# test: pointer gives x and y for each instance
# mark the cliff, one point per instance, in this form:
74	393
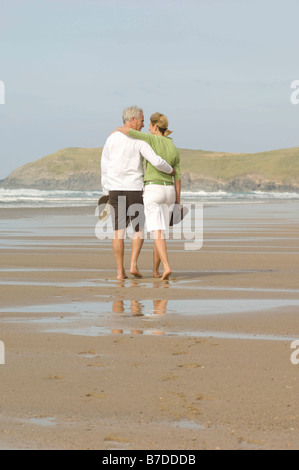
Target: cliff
79	169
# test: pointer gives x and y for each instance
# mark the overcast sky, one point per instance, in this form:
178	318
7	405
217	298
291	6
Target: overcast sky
220	70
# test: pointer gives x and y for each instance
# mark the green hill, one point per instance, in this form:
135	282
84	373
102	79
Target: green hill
71	168
79	169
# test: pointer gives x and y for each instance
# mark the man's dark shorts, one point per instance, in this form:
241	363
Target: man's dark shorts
127	207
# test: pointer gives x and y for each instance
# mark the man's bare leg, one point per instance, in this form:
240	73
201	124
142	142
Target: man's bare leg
137	242
118	245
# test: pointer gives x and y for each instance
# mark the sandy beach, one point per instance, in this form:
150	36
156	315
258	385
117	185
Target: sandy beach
202	361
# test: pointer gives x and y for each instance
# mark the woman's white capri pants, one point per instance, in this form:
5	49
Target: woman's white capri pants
158	204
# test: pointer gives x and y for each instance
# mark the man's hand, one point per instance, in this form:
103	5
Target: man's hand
173	172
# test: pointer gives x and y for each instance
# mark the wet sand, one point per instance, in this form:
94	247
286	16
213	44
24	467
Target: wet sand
202	361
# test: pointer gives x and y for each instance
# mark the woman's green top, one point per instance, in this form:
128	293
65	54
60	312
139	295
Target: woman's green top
165	148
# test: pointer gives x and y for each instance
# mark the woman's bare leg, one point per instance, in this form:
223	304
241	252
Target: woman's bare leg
160	244
137	243
157	261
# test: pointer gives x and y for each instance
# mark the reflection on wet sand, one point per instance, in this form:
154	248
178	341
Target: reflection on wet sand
142	283
160	306
136	307
118	331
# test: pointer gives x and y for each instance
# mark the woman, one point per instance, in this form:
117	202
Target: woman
160	192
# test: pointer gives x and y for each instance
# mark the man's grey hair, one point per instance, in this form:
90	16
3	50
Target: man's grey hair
131	112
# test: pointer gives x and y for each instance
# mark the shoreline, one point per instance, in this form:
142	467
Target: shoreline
198	362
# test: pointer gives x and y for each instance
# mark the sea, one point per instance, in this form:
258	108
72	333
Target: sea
35	198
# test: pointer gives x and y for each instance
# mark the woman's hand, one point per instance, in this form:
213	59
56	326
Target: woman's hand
123	130
177	185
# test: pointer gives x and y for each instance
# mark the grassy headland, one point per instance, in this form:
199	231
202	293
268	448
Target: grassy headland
79	169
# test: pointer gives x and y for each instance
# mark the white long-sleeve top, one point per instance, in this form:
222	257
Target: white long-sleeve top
122	163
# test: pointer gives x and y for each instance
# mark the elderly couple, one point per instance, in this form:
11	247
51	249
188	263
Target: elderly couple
156	190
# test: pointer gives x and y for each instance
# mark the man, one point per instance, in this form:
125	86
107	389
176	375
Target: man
122	179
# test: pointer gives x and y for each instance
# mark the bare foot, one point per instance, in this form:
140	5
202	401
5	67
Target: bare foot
121	276
136	273
166	275
156	274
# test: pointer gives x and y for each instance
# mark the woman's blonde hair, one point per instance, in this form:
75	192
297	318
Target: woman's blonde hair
162	123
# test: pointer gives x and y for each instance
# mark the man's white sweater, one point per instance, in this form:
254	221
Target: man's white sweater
122	163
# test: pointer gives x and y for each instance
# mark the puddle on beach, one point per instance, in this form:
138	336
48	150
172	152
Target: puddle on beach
186	424
102	331
174	283
48	421
44	421
21	270
107	317
196	307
